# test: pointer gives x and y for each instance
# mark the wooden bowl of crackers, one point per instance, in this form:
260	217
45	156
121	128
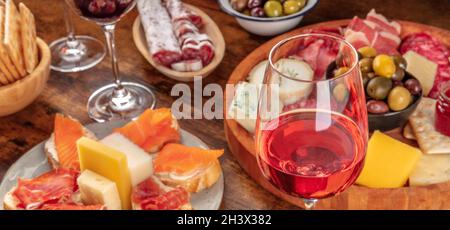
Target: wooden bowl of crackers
24	58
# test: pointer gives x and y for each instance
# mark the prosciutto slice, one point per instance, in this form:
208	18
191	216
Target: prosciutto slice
179	12
53	187
162	42
151	194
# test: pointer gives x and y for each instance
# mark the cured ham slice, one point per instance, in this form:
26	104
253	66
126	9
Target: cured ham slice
53	187
179	12
375	31
151	194
71	207
162	42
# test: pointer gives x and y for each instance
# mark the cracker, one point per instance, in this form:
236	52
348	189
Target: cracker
408	132
422	122
12	37
28	34
6	65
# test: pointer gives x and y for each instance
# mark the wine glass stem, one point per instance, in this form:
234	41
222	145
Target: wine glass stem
110	40
72	41
310	203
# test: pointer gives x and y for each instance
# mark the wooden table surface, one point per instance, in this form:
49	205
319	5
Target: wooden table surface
68	93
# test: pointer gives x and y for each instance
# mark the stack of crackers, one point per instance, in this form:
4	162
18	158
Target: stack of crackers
18	46
434	165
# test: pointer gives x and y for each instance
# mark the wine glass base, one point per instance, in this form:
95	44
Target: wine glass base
101	108
83	54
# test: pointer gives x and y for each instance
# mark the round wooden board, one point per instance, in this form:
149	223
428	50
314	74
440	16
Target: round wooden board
241	144
209	28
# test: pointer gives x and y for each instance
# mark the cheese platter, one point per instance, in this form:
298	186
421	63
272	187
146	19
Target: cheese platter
412	186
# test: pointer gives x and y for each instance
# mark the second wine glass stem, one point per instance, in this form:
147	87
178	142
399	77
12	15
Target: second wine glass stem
71	39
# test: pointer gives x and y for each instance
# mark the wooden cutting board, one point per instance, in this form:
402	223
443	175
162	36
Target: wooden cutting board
241	143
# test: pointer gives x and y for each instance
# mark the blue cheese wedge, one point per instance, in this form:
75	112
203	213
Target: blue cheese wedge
96	189
244	106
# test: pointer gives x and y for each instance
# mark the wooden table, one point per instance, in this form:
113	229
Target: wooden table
68	93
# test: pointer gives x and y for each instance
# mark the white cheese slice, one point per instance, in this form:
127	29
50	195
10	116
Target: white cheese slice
431	169
140	163
422	69
96	189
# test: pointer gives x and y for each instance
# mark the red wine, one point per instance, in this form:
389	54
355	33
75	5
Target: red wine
104	11
311	154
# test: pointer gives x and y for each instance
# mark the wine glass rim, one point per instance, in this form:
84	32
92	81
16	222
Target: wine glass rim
280	43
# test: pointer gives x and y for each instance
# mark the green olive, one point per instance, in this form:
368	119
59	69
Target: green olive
291	7
399	74
399	98
365	65
301	3
378	88
340	92
340	71
367	52
384	65
400	61
273	8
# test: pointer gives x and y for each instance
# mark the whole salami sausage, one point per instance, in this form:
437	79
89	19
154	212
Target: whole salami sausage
162	42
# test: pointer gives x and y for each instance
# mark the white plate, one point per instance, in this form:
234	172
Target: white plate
34	163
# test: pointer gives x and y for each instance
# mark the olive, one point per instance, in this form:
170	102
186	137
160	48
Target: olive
398	75
291	7
400	61
399	98
301	3
367	52
365	80
239	5
340	71
369	75
340	92
254	3
247	12
378	88
413	86
257	12
365	65
273	8
397	83
377	107
384	65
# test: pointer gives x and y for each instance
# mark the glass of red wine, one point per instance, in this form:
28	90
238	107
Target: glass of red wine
120	100
312	127
75	53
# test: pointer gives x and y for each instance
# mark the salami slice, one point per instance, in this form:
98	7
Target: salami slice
427	46
179	12
53	187
162	42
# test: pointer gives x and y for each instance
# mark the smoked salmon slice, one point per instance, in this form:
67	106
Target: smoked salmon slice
67	132
152	130
181	159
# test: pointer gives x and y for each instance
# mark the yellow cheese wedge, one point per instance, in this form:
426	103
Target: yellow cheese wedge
106	162
421	68
388	162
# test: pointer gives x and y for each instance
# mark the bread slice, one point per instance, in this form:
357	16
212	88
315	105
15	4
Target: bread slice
50	148
197	181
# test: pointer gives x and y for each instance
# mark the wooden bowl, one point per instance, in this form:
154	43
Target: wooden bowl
209	28
18	95
241	144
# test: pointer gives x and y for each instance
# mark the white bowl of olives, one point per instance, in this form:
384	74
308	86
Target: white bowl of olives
267	17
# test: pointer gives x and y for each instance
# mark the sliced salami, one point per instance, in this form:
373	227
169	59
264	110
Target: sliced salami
179	12
161	39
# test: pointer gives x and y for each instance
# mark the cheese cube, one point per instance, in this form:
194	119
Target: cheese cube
388	162
96	189
431	169
106	162
422	69
140	163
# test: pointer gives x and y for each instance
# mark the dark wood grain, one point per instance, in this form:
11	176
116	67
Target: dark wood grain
68	93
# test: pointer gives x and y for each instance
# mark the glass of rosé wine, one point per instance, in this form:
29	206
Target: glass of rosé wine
312	127
119	100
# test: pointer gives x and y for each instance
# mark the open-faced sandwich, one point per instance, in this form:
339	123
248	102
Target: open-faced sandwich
141	165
